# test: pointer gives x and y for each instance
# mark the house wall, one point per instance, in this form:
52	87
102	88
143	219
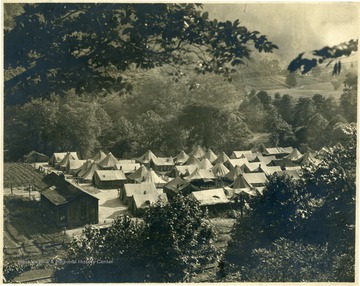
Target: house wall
83	210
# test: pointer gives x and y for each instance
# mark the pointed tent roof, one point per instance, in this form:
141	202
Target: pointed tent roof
108	162
88	175
146	157
220	170
200	174
182	157
234	173
192	161
240	183
294	155
138	174
98	157
83	169
210	155
63	163
222	158
205	164
152	177
307	158
198	152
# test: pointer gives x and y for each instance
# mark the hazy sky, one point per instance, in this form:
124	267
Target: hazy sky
294	27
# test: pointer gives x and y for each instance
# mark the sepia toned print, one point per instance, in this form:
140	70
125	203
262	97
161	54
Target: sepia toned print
179	142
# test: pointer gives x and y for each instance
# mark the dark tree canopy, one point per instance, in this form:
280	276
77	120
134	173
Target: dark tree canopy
89	46
304	65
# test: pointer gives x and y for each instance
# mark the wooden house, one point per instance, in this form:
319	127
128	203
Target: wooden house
161	164
67	204
178	186
138	203
109	179
128	190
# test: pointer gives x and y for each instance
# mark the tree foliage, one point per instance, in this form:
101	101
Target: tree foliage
171	243
89	46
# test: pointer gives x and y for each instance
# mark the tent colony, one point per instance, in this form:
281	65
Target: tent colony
182	171
63	163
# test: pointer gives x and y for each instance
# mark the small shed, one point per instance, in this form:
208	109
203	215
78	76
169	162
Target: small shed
178	186
214	200
67	204
129	190
109	179
140	202
162	164
35	157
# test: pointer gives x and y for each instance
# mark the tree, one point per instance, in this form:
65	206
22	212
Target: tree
291	80
285	107
178	240
321	56
348	100
170	244
69	46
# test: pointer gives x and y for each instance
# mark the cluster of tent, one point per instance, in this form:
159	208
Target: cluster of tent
201	174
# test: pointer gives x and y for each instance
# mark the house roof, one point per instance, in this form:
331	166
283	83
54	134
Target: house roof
143	201
108	162
75	164
127	168
255	178
198	152
278	150
222	158
210	197
177	184
205	164
132	189
110	175
163	161
126	161
182	157
220	170
146	157
201	174
99	156
63	192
